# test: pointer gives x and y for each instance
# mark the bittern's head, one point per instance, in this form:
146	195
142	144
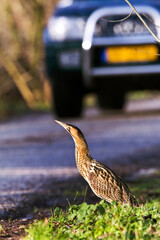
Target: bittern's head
74	131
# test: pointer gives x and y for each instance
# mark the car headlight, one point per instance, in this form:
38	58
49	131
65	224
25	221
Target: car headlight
63	28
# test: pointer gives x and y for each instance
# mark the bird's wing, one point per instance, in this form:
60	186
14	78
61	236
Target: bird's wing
106	184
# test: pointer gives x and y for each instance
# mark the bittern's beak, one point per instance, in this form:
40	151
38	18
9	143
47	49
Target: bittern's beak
62	124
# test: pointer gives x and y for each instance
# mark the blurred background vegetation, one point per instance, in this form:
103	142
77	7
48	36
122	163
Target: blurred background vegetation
23	81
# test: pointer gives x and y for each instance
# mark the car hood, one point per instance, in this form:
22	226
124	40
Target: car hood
85	8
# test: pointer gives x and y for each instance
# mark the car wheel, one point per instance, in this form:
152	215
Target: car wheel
67	98
110	100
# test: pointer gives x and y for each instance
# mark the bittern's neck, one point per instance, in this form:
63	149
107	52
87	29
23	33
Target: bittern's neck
81	145
82	156
81	149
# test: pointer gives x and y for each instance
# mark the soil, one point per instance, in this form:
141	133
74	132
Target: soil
15	222
15	228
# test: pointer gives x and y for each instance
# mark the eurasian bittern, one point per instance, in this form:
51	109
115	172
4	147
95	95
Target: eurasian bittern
104	182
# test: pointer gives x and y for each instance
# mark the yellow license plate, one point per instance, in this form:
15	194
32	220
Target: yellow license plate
129	54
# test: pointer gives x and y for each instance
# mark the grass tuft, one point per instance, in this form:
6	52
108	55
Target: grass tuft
103	220
100	221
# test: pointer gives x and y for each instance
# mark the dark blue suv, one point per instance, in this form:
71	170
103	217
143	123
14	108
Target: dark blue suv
88	49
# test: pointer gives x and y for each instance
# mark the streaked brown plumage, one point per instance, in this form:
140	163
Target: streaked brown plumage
104	182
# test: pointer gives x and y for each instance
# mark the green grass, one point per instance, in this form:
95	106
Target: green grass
141	95
100	221
16	108
103	220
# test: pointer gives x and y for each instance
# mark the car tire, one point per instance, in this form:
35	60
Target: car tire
110	100
67	97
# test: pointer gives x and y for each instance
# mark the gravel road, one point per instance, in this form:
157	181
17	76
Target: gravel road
34	149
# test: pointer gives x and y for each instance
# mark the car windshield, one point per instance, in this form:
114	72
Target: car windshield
103	1
92	0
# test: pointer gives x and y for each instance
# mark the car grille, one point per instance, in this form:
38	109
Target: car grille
111	26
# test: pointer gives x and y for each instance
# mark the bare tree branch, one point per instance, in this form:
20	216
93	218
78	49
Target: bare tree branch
133	8
18	80
119	20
